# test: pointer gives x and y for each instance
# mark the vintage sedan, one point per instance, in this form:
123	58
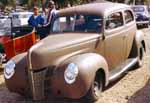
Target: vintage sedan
89	46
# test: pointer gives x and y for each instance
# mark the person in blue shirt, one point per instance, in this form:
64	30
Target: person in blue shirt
36	20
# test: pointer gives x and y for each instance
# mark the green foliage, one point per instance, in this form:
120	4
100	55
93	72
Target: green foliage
4	2
64	3
59	3
24	2
31	3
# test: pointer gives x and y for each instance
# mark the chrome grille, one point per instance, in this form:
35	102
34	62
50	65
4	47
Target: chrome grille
40	83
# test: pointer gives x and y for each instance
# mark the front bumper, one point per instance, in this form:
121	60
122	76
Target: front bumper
142	22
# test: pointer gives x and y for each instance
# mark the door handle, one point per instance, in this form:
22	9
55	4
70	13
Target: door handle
124	36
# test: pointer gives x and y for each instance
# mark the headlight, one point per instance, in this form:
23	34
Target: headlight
9	69
71	73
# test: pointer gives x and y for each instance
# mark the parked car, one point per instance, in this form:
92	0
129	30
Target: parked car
89	46
20	18
14	40
142	15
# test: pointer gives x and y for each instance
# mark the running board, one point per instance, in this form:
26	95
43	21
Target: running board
116	73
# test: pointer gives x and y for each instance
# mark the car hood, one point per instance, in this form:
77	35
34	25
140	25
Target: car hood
45	52
142	14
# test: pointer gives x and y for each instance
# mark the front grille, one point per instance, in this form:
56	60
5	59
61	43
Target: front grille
40	83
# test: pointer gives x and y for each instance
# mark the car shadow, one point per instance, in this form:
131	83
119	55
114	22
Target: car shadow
52	99
141	96
8	97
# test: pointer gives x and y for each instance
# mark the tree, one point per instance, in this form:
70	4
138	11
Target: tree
13	3
4	3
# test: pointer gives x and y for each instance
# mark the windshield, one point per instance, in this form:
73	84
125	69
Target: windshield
77	23
138	9
5	26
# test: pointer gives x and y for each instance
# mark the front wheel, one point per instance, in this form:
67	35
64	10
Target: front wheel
95	90
2	58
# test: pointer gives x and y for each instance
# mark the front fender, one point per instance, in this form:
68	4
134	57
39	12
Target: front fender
88	64
19	82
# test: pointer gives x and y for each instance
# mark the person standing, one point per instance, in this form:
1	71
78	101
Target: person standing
36	20
51	12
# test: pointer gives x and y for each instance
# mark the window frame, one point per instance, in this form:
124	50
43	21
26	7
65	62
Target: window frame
122	17
75	15
125	20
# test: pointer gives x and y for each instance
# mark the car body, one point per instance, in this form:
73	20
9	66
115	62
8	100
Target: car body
89	46
20	18
142	14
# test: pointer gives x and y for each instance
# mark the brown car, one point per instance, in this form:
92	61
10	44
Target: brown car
89	46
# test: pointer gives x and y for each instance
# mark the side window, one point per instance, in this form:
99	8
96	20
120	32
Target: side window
128	16
63	24
114	20
88	23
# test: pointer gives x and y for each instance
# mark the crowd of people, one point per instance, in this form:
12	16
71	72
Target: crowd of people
37	20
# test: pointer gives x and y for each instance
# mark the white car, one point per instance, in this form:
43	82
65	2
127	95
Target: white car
20	18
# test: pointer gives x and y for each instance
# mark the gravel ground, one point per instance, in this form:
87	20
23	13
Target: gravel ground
134	87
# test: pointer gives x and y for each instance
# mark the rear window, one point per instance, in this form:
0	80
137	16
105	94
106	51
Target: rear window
128	16
114	20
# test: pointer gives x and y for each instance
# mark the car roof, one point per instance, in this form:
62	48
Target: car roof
95	8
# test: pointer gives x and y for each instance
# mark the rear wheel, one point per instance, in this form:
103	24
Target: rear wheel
95	90
140	56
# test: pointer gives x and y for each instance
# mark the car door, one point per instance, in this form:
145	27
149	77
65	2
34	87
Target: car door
114	43
130	30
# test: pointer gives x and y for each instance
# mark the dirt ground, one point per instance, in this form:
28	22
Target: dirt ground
134	87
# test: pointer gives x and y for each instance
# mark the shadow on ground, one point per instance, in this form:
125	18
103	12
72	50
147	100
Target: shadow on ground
141	96
9	97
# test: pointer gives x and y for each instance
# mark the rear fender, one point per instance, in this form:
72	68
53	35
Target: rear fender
139	38
88	65
137	43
